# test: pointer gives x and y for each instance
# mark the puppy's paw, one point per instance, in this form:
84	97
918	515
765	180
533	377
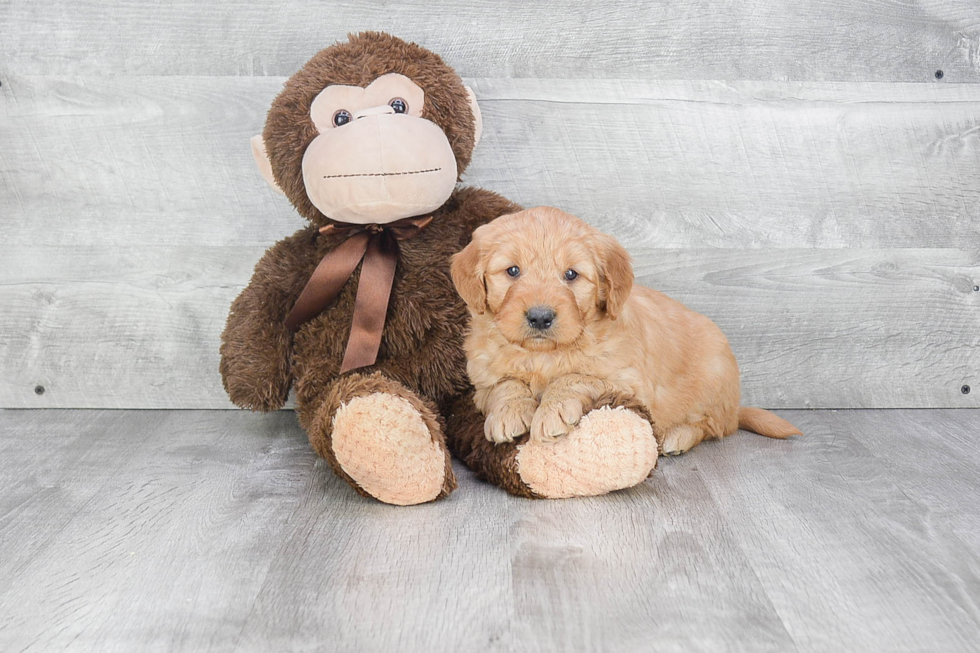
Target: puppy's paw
510	420
554	419
681	439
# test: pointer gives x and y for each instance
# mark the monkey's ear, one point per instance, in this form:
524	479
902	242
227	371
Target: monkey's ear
262	161
477	116
468	269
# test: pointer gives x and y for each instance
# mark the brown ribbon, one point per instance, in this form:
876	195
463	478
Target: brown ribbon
377	245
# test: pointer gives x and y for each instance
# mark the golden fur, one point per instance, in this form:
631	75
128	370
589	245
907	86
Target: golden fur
607	335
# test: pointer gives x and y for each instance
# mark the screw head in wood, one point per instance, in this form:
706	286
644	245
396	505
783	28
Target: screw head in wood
39	389
965	389
939	74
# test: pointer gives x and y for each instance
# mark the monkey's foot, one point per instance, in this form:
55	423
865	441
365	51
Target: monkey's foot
610	449
382	443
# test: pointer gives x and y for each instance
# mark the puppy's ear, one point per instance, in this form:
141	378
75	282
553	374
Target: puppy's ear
616	273
468	269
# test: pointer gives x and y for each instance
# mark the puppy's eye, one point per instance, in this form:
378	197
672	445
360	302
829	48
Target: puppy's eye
341	118
514	271
399	105
570	275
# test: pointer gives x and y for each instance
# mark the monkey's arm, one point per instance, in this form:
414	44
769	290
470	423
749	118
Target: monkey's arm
256	345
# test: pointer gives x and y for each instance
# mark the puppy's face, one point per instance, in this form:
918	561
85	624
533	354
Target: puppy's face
543	275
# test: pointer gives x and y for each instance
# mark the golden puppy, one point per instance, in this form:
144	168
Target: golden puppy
555	319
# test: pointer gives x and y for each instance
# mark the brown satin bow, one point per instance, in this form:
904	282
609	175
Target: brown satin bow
377	245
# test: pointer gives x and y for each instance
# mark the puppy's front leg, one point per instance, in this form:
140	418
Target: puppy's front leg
562	404
509	407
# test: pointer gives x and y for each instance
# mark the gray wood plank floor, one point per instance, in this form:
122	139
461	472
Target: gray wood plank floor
220	530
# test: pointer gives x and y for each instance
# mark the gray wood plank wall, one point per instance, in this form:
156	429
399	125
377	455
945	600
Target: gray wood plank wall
796	171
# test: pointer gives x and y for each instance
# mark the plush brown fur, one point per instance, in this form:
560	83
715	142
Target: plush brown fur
421	357
607	335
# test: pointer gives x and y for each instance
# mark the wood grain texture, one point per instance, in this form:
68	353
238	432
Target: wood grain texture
811	328
681	164
162	516
838	534
118	161
856	328
137	327
219	530
126	161
874	40
132	215
948	470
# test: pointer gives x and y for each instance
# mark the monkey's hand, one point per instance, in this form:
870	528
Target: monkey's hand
255	358
256	345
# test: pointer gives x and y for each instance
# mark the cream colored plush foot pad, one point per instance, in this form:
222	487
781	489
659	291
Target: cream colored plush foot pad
382	443
610	449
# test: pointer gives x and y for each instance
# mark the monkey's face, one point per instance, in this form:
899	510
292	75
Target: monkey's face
376	159
370	130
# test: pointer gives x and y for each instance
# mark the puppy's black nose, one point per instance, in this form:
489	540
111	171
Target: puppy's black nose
540	317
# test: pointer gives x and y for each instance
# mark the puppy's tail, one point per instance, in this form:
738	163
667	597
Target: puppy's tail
765	423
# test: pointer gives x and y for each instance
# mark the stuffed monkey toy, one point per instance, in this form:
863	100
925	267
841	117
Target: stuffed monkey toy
358	312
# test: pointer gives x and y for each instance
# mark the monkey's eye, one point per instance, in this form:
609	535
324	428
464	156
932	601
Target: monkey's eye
513	271
570	275
341	118
399	105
